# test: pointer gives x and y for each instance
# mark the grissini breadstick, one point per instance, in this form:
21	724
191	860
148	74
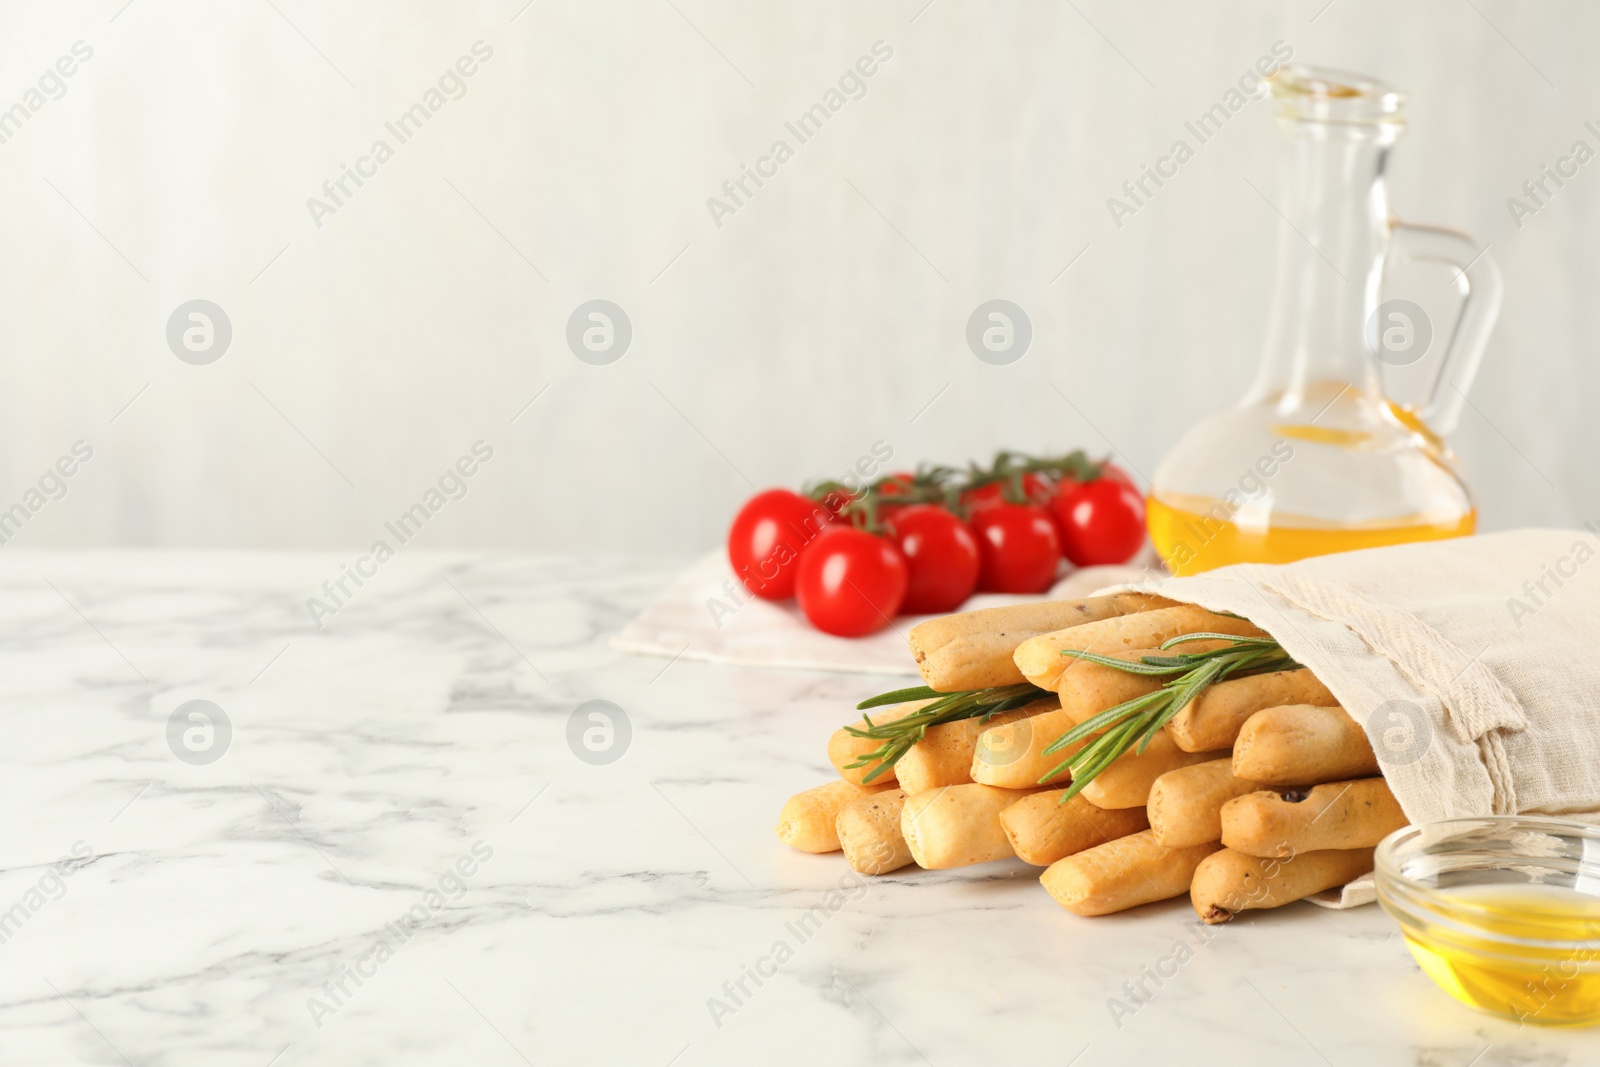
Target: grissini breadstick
1213	720
1229	882
1042	830
1088	688
1302	744
1123	874
957	825
1038	616
944	755
869	832
844	748
807	819
972	650
1012	755
1040	661
1126	783
1355	814
1186	804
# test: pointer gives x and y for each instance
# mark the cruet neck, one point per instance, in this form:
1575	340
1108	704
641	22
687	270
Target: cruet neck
1337	130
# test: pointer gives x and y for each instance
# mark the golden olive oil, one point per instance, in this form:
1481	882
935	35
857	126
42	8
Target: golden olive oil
1191	539
1554	980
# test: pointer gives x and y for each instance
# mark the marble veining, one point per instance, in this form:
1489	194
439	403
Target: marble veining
399	859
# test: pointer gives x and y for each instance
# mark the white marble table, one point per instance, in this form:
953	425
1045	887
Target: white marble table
160	911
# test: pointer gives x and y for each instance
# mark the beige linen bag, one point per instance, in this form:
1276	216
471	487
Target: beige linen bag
1473	664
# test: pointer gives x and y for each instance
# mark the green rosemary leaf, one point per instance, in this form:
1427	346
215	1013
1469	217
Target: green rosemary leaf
1044	778
1193	685
1116	743
1182	638
1179	661
892	754
1108	718
1106	750
899	696
1078	762
1170	713
1006	704
1171	665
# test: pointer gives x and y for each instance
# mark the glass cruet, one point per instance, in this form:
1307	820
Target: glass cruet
1316	458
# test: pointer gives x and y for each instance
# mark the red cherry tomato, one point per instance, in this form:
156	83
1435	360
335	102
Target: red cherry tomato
1036	487
1112	472
850	583
1018	546
766	537
835	501
941	558
1108	471
898	485
1039	488
1101	522
1067	484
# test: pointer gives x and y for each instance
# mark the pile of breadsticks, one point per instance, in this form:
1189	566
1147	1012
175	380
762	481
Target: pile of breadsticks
1259	791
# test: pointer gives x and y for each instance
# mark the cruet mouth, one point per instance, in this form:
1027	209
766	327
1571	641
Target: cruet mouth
1308	94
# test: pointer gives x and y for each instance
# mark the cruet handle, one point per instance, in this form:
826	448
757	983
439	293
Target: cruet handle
1477	280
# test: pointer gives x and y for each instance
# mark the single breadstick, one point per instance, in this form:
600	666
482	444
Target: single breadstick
1040	661
944	755
844	747
1126	782
1088	688
1122	874
1042	830
807	819
957	825
1012	755
1213	719
1229	882
1186	804
1302	744
869	833
972	650
1355	814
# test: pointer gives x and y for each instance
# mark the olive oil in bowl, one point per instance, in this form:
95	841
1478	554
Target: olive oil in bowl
1502	912
1555	984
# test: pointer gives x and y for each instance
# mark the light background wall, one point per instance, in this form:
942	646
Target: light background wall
826	314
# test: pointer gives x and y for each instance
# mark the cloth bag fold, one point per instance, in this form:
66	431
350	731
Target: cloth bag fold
1473	664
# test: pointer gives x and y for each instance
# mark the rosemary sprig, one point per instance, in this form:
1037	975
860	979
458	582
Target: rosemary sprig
1135	722
898	736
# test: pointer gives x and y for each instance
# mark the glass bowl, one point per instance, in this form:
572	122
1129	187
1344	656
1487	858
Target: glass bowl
1502	912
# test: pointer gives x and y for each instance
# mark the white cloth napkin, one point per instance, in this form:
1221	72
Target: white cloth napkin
707	615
